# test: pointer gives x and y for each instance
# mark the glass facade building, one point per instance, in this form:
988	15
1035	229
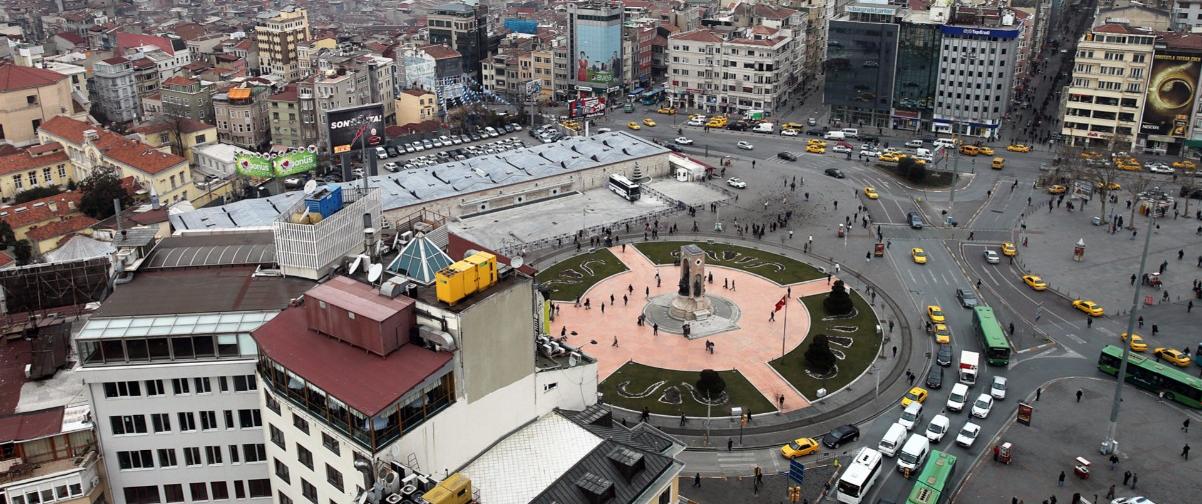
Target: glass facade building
860	62
917	76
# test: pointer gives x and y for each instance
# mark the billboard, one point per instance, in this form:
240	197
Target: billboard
598	51
515	25
1171	91
592	106
250	164
291	163
349	125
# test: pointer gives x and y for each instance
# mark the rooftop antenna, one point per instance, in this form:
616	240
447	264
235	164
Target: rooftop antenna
355	265
373	273
517	262
310	187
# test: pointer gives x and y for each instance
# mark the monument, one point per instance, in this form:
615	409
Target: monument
691	302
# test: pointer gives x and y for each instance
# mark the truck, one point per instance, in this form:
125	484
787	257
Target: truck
754	115
969	362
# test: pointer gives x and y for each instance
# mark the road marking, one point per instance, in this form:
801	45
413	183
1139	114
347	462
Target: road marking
1075	338
932	274
912	279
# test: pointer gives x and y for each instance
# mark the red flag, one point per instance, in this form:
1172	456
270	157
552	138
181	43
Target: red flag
781	304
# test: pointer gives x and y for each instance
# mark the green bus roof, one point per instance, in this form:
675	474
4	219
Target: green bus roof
934	477
1150	364
994	337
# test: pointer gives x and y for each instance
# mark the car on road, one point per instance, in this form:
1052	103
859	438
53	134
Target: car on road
841	149
833	172
1159	168
633	125
942	334
935	378
799	447
1185	164
915	220
1035	283
938	428
935	313
696	122
816	141
1137	342
1008	249
869	152
997	389
982	406
790	132
648	122
1018	148
918	255
1173	355
985	151
870	193
841	435
787	156
914	143
1056	189
736	183
1089	307
889	157
815	149
683	141
943	356
816	132
745	145
992	257
1112	186
915	395
968	434
967	298
666	110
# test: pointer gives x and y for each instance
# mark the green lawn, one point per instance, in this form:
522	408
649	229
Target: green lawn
864	349
640	378
777	268
569	278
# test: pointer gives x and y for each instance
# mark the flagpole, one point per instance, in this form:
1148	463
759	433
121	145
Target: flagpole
784	327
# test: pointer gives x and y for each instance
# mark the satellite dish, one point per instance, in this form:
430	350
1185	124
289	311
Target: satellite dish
517	262
310	186
374	273
355	265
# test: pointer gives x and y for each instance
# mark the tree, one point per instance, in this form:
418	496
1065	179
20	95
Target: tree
710	384
819	356
36	193
838	302
22	252
910	168
7	236
99	191
1135	186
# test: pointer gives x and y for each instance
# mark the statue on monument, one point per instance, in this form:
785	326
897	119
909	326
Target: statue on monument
691	302
697	286
683	289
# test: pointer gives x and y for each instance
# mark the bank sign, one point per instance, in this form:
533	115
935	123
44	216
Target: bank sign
966	31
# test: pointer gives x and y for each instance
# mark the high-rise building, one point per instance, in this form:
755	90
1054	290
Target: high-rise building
464	28
861	59
595	47
241	116
277	35
115	90
976	71
1104	103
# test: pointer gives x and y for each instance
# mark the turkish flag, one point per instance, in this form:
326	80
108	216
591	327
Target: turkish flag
781	304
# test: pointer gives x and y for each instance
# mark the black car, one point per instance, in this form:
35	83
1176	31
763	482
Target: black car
737	126
1192	194
841	435
474	136
944	356
508	128
787	156
392	151
872	139
967	298
834	172
816	132
935	378
672	147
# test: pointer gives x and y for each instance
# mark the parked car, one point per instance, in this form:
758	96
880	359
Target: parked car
392	167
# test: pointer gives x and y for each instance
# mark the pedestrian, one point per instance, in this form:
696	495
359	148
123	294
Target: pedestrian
1141	321
1185	451
772	316
1185	426
646	416
732	284
697	480
1155	329
890	326
683	420
1110	493
1079	393
781	401
563	332
730	444
1060	480
1088	321
603	308
1012	329
978	284
625	300
1126	477
868	256
1133	279
1134	480
615	345
895	351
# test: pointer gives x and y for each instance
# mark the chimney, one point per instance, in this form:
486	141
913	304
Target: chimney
90	135
53	206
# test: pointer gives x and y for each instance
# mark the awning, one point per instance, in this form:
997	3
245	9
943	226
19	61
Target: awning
1197	144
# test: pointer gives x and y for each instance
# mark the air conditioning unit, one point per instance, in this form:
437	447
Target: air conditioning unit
125	256
394	499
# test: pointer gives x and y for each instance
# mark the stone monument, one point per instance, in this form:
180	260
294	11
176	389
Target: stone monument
691	303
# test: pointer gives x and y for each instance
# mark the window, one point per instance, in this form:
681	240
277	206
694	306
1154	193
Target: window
284	499
167	457
187	421
330	443
213	454
222	384
137	459
208	420
31	99
281	471
161	422
277	437
239	489
202	385
229	419
250	418
180	385
200	491
139	495
173	493
192	456
254	452
304	456
221	491
129	424
300	423
244	383
17	182
309	491
154	387
122	389
333	477
258	488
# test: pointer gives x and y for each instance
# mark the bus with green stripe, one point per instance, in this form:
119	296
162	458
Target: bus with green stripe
933	485
1159	378
997	347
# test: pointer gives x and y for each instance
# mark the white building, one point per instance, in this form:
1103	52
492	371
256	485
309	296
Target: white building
216	159
976	78
747	71
114	90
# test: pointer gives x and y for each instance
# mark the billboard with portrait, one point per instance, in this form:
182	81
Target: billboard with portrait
249	164
598	55
586	107
1171	91
349	126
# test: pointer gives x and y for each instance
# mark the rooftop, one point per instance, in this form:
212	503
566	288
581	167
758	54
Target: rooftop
359	298
60	228
706	36
195	249
41	210
24	161
440	51
201	290
32	425
16	78
134	154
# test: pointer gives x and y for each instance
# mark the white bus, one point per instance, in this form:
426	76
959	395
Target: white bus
859	476
623	187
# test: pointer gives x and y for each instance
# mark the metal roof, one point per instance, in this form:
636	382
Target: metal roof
174	325
255	248
201	290
420	260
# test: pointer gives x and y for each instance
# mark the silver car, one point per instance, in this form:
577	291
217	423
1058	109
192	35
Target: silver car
992	257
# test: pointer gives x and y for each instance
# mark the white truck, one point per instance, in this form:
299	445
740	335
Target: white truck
969	364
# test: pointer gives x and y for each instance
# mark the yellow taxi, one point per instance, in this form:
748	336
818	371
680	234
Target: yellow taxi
985	151
649	122
915	395
1035	283
1089	307
799	447
943	336
1091	155
1057	189
935	313
969	150
815	141
870	193
998	163
792	126
1185	164
918	255
667	110
717	122
1128	166
890	157
816	149
1008	249
633	125
1177	357
1112	186
1018	148
1137	342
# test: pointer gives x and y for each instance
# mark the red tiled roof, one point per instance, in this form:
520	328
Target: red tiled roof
137	155
180	80
758	42
769	12
31	425
5	259
65	204
71	37
364	381
440	52
60	228
245	44
763	30
1175	40
16	355
16	78
16	163
67	128
45	148
116	60
288	94
189	31
126	40
1112	28
416	92
698	36
142	63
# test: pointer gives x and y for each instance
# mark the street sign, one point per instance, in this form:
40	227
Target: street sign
797	471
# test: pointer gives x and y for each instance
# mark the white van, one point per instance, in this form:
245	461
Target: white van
834	135
922	153
946	143
911	415
914	453
764	127
851	132
959	396
892	440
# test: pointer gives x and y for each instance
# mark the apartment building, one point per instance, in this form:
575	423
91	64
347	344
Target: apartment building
1104	103
1185	15
190	98
241	115
292	125
336	89
1170	108
746	71
146	76
28	98
168	362
51	457
115	90
277	35
416	106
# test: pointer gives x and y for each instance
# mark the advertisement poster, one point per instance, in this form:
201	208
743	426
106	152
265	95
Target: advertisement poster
586	107
1171	92
349	126
1024	413
252	165
291	163
598	55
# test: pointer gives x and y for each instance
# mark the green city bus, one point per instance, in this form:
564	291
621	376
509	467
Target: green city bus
1148	374
997	347
934	482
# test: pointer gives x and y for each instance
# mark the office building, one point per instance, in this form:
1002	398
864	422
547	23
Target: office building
277	35
115	91
1169	115
976	72
595	47
464	28
1104	103
736	73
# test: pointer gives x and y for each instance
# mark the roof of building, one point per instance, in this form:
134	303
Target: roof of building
438	51
420	260
31	425
143	63
416	92
22	161
60	228
179	80
225	249
359	298
41	209
201	290
703	35
364	381
127	40
16	78
71	37
289	93
1181	40
17	354
115	60
765	11
1113	28
132	153
80	247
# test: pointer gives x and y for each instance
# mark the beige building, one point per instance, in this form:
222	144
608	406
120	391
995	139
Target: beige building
1105	100
241	116
415	106
37	166
286	119
178	136
28	98
277	36
543	68
747	71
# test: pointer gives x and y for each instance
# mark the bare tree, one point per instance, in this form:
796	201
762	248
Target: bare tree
1135	186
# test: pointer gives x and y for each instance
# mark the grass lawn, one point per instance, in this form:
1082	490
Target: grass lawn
864	349
641	377
777	268
569	278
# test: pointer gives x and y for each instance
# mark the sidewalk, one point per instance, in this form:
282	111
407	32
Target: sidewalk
730	490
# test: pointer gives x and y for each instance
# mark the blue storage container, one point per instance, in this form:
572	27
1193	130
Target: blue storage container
326	200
